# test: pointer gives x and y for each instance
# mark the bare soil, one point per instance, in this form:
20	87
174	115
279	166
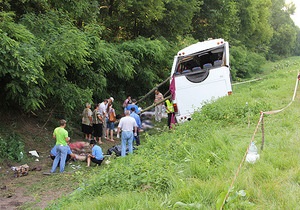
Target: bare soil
36	190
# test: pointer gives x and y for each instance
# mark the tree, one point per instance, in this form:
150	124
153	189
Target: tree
255	30
65	50
176	20
125	18
285	31
21	75
216	19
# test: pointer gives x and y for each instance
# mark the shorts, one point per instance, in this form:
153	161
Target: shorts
110	125
86	129
97	130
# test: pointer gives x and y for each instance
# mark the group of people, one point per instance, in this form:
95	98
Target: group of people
62	152
100	123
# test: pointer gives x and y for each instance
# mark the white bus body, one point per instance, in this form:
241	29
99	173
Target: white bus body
202	74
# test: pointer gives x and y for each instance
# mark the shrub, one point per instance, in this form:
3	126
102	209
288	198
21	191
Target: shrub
245	64
11	148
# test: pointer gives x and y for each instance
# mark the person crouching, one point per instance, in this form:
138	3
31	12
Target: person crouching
96	156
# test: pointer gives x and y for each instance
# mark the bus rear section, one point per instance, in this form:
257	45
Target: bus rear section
202	75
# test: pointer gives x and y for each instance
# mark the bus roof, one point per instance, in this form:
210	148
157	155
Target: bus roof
199	46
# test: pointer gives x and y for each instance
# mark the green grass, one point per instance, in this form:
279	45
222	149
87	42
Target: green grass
193	166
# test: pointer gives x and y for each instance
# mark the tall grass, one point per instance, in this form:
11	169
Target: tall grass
193	166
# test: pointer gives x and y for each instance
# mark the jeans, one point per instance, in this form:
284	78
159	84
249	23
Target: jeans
61	155
127	136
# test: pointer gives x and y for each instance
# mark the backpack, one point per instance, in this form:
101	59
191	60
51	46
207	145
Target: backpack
117	150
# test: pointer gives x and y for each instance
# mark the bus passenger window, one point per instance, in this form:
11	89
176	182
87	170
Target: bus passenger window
217	63
186	71
207	65
197	68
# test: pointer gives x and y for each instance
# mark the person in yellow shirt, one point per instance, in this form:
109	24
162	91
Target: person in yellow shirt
170	111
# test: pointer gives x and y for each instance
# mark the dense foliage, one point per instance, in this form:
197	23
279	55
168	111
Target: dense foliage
61	54
11	147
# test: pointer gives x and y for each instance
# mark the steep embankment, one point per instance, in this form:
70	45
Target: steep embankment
194	165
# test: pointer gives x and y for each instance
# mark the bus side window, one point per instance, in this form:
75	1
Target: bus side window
179	70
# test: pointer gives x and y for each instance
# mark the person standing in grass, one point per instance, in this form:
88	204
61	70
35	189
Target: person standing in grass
139	125
97	124
87	124
110	123
96	156
102	111
133	104
70	155
127	124
158	107
62	139
170	111
126	102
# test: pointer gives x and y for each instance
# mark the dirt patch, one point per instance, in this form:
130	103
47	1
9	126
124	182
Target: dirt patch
36	190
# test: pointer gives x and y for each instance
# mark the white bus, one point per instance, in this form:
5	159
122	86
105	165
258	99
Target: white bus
202	74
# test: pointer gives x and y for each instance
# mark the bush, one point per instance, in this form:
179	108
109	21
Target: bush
11	148
245	64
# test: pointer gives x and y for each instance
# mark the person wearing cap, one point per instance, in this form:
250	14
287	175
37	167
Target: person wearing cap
62	139
96	156
111	100
127	124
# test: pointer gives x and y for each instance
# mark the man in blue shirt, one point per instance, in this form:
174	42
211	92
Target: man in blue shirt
133	105
139	125
96	156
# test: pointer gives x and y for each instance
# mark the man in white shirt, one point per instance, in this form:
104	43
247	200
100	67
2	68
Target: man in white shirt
127	124
103	113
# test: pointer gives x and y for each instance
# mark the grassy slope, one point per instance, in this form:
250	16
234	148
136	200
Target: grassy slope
193	166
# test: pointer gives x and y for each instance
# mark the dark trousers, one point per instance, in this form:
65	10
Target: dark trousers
169	119
137	138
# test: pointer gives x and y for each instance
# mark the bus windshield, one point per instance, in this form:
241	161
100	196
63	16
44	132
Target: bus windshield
196	66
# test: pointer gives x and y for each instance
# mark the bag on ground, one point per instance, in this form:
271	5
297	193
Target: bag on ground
117	150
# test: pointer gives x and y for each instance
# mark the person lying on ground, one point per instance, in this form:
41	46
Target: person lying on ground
70	155
78	146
